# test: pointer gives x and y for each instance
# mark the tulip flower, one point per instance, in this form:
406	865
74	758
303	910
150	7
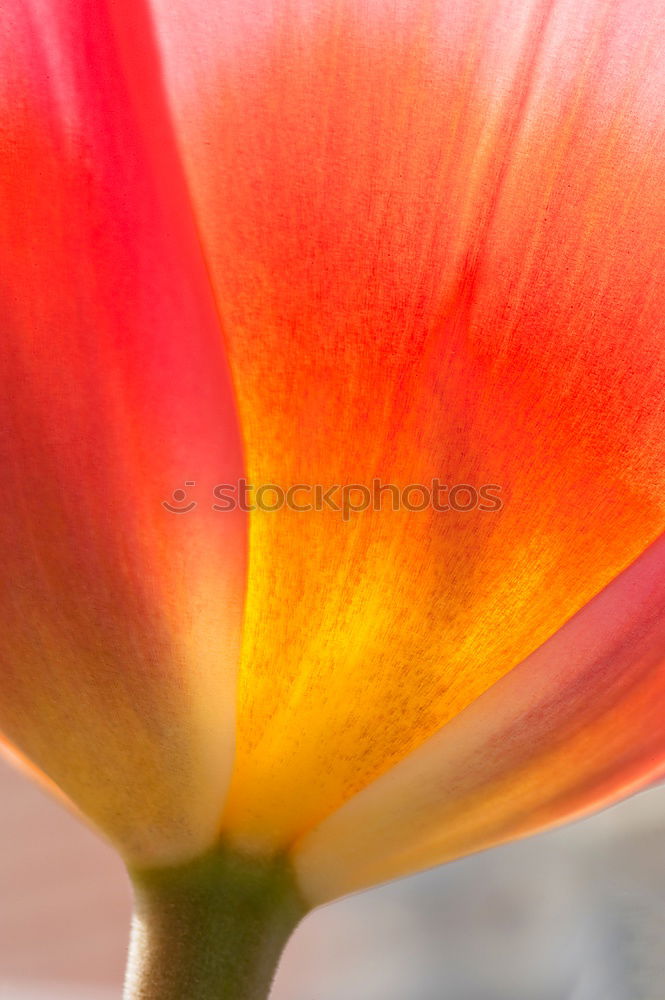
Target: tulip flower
298	244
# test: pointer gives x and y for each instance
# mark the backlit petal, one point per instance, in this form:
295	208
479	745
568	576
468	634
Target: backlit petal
120	620
577	725
436	237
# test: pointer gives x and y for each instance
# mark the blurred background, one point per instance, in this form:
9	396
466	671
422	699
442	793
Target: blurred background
576	914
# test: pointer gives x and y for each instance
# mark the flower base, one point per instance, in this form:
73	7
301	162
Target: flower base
211	929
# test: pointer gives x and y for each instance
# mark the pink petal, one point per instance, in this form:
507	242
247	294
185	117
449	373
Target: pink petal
120	620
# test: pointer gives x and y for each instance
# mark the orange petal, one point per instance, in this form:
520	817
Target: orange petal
436	236
577	725
120	620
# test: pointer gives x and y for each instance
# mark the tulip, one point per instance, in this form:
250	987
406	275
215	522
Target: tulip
333	243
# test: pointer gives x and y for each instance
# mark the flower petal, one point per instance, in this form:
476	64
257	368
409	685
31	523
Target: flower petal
120	620
577	725
436	236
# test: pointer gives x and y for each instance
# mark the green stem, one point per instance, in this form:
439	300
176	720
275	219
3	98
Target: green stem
211	929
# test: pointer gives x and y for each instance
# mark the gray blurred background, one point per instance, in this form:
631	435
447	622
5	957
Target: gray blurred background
576	914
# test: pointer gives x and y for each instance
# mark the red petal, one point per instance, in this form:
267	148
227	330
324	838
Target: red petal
120	620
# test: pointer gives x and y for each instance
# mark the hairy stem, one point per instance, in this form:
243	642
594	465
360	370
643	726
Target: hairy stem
211	929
